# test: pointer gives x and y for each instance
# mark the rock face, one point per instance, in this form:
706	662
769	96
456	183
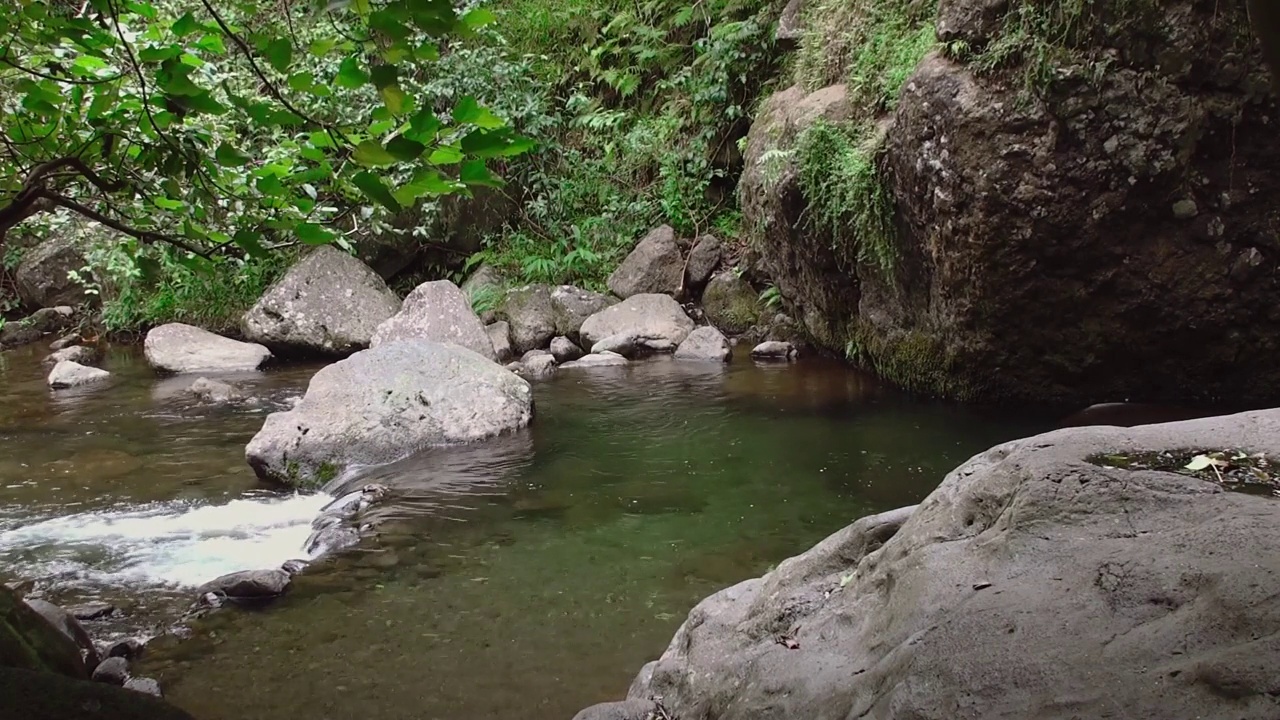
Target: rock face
998	596
440	312
179	348
655	266
386	403
67	374
1156	214
28	641
329	303
730	303
42	278
652	318
706	344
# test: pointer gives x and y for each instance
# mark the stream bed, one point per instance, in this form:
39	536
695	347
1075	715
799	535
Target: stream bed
522	578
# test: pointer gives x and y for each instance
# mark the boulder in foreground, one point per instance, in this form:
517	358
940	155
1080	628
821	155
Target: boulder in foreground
180	348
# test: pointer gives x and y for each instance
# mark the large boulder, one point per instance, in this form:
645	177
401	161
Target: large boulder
730	303
43	277
69	626
572	306
440	312
328	303
652	318
45	696
179	348
704	258
705	344
655	266
386	403
1082	573
28	641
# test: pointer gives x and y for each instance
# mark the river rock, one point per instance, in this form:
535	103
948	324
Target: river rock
538	365
532	318
386	403
655	266
437	311
113	671
329	303
215	391
45	696
65	342
30	641
706	344
35	326
485	288
43	277
596	360
93	611
248	586
128	648
654	318
998	596
76	353
636	709
625	344
731	303
773	350
572	306
564	350
704	258
143	685
179	348
69	627
500	336
67	374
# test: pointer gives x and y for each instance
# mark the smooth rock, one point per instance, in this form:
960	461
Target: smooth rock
730	303
143	685
65	342
215	391
30	641
386	403
128	648
248	586
437	311
69	627
329	303
572	306
564	350
539	366
773	350
67	374
704	258
113	671
705	344
625	710
655	266
79	354
93	611
500	336
657	319
180	348
596	360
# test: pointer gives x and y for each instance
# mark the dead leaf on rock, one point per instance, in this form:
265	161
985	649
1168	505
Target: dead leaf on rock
788	642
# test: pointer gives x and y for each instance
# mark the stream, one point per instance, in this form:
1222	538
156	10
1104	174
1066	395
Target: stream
521	578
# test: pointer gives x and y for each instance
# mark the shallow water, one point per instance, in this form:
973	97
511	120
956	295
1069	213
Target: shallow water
520	578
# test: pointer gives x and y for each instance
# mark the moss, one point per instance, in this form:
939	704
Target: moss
871	45
325	473
914	361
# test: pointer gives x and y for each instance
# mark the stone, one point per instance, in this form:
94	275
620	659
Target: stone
81	354
30	641
128	648
439	312
43	276
500	336
531	315
215	391
143	685
113	671
93	611
625	710
178	348
35	326
705	344
773	350
704	258
654	266
329	303
248	586
67	374
69	627
625	344
790	25
596	360
386	403
730	303
32	695
540	366
65	342
572	306
1185	209
564	350
653	318
1031	560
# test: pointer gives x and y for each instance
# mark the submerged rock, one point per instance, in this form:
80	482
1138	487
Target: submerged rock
215	391
655	319
67	374
79	354
328	303
655	266
179	348
596	360
386	403
705	344
249	586
1005	587
437	311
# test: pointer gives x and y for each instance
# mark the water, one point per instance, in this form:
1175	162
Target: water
522	578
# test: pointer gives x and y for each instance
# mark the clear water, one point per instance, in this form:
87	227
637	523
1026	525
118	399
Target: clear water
521	578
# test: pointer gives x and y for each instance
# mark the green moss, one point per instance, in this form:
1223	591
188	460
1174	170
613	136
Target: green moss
871	45
914	361
325	473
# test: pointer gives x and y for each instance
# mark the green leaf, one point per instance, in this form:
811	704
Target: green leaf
372	186
468	111
384	75
270	185
185	25
302	81
201	103
350	75
445	155
166	204
158	54
251	243
322	46
228	156
474	172
478	18
279	53
394	98
425	182
405	149
313	234
371	153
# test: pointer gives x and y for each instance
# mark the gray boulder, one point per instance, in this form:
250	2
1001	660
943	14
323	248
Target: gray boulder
572	306
656	319
538	366
774	350
1054	577
328	303
43	277
386	403
704	258
626	710
730	303
35	326
65	342
655	266
69	627
179	348
500	337
597	360
249	586
531	315
437	311
113	671
76	353
215	391
68	374
705	344
564	350
625	344
143	685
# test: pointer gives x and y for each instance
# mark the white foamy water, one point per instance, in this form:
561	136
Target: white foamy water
173	544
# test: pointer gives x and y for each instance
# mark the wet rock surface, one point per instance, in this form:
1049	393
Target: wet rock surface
68	374
705	344
656	320
46	696
179	348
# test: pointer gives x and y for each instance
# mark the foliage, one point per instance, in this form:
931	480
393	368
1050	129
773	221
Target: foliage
871	45
485	298
771	298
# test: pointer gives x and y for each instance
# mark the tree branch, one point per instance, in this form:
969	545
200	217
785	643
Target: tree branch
146	236
55	78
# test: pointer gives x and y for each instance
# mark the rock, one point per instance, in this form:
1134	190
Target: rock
437	311
790	25
655	266
179	348
248	586
624	344
93	611
625	710
731	303
386	403
44	696
773	350
531	315
572	306
1051	559
500	336
540	366
564	350
655	318
113	671
30	641
143	685
706	344
65	342
596	360
128	648
43	276
215	391
329	303
35	326
76	354
67	374
704	258
485	288
1185	209
70	627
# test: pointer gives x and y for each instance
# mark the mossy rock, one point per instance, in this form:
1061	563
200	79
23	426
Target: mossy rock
29	642
731	304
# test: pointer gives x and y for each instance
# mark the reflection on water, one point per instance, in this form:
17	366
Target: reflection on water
520	578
